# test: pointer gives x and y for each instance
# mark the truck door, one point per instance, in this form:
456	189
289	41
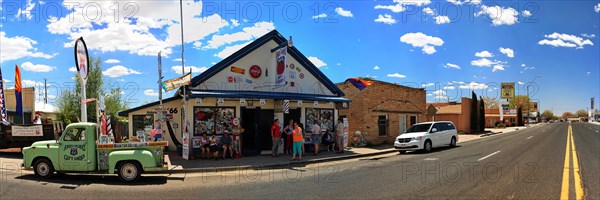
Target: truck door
73	154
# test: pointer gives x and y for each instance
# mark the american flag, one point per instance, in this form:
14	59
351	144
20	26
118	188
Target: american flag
2	102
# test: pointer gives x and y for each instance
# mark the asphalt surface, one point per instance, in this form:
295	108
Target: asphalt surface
525	164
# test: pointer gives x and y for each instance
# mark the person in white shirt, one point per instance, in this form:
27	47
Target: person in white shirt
316	136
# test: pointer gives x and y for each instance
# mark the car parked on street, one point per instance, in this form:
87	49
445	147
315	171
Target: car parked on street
427	135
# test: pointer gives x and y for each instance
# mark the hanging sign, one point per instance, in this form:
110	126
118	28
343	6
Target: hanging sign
300	103
280	64
81	59
507	90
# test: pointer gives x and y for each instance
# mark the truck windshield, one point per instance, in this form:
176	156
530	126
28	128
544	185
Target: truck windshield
418	128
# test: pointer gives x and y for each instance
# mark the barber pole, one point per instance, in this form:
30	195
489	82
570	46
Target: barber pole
286	106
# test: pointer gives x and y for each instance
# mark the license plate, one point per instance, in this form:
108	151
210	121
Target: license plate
402	145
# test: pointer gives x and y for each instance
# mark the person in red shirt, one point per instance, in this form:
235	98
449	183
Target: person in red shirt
276	136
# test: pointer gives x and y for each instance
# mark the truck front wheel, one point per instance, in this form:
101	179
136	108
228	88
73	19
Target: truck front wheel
43	168
129	171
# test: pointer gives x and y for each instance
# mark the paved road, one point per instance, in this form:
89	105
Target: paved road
525	164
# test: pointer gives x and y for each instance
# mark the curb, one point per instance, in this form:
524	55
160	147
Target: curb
289	164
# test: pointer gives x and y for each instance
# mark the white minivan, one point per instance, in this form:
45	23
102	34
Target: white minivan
427	135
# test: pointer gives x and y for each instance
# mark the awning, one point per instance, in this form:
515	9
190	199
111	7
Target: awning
265	95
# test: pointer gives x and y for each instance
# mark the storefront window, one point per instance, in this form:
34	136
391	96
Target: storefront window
316	114
143	123
213	120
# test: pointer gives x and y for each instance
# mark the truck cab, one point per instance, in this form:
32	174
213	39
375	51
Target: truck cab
78	150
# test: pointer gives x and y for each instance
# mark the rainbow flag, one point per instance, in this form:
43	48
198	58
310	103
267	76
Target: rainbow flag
18	91
360	83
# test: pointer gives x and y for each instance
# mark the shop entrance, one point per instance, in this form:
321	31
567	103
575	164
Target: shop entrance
294	114
256	123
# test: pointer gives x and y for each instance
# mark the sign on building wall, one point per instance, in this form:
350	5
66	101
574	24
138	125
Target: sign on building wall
507	90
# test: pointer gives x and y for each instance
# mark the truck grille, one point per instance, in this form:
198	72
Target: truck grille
404	140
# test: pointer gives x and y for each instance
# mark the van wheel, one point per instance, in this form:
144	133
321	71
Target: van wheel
427	146
129	171
43	168
453	142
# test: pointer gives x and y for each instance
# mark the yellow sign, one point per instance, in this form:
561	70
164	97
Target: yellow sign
507	90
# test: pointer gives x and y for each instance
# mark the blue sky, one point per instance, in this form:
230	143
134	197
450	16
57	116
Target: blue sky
448	47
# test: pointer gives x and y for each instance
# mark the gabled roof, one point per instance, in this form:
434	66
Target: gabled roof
277	37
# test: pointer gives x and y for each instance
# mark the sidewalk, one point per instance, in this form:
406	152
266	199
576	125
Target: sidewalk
178	165
493	131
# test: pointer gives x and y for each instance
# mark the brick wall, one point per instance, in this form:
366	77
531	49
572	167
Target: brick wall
390	99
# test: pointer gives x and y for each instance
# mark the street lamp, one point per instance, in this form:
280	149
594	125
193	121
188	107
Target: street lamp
529	99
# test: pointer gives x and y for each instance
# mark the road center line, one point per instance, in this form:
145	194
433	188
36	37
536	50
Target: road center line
530	137
488	155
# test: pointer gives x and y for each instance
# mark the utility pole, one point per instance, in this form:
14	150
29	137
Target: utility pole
45	92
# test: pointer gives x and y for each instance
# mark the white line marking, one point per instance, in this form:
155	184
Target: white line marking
430	159
530	137
489	155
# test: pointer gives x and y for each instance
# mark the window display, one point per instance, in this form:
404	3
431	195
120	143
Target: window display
324	115
213	120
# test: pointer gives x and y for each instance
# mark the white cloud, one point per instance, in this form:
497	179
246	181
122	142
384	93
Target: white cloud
500	15
376	67
458	2
27	11
72	69
507	51
150	92
565	40
484	54
322	15
112	61
421	40
176	60
177	69
439	94
498	68
396	75
442	19
134	36
317	62
588	35
597	8
480	77
450	65
428	11
28	66
343	13
484	62
234	22
248	33
400	5
427	85
520	83
118	71
526	13
13	48
227	51
473	86
31	83
386	19
449	87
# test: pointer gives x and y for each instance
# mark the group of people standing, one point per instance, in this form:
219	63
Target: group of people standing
294	134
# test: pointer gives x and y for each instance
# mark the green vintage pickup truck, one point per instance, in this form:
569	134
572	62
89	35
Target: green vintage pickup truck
77	151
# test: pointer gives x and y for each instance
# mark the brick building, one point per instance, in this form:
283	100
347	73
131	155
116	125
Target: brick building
492	116
382	110
458	113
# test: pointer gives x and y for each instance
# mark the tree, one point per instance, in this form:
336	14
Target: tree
566	115
474	112
581	113
521	101
548	115
519	116
69	101
481	114
491	102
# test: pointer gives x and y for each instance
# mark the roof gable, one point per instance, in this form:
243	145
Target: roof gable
233	73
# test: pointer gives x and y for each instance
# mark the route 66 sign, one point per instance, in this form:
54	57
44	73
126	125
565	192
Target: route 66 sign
316	103
220	101
242	101
331	104
263	101
74	151
198	100
300	103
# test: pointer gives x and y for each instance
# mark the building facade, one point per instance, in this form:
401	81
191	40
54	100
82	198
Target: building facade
248	87
458	113
382	110
30	107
